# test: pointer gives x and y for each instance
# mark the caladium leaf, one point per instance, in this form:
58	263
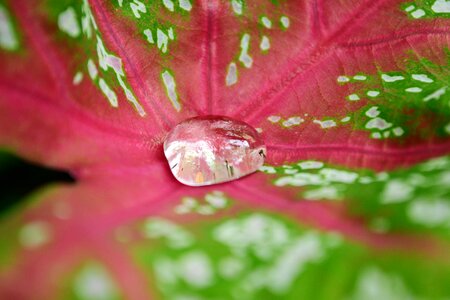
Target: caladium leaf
351	97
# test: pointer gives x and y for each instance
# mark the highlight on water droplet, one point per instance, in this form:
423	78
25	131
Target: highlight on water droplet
207	150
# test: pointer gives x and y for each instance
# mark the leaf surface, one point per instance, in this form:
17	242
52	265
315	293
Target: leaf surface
351	97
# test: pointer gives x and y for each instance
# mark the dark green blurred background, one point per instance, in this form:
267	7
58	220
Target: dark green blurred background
18	178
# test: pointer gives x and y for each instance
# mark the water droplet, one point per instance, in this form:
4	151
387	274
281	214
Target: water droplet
213	149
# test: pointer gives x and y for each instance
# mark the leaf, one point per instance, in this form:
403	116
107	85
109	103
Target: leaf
351	97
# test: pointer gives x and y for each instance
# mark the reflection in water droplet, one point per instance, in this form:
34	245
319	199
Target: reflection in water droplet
213	149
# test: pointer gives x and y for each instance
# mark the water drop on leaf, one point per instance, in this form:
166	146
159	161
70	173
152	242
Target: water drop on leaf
213	149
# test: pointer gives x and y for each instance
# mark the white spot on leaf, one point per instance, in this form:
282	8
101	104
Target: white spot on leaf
292	261
148	33
109	93
274	119
94	282
413	90
268	169
326	192
237	6
244	57
326	123
343	78
353	97
293	121
92	69
266	22
373	93
232	75
389	78
185	4
429	212
373	284
35	234
169	83
170	33
360	77
396	191
169	4
378	123
265	43
308	165
373	112
418	13
334	175
8	38
285	22
398	131
176	237
441	7
77	78
162	40
138	7
376	135
436	95
196	269
410	8
422	78
216	199
68	23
